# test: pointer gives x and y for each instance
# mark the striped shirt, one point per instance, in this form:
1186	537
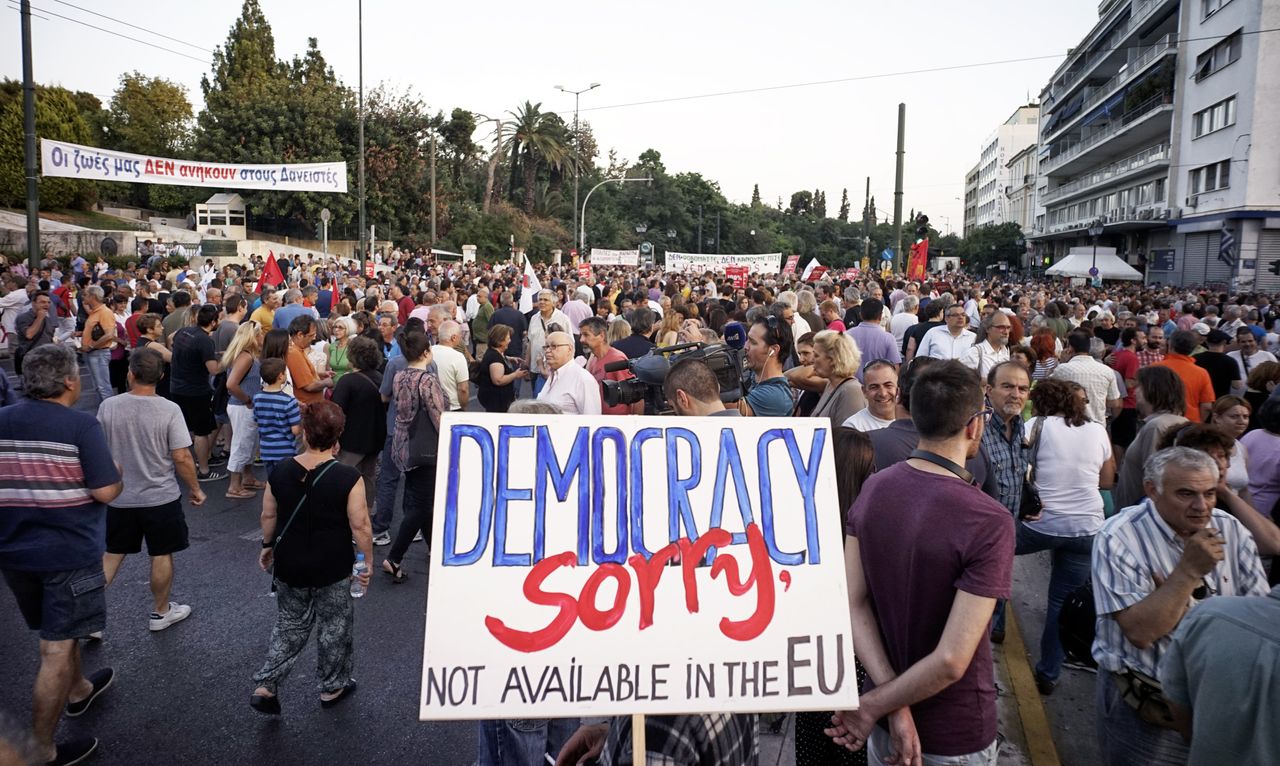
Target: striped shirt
1098	381
1131	550
51	458
276	413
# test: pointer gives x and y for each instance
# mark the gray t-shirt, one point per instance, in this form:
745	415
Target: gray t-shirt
223	335
142	433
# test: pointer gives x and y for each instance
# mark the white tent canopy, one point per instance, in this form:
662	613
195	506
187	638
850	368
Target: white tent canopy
1078	262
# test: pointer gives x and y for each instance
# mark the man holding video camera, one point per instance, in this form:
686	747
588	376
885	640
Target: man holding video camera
593	332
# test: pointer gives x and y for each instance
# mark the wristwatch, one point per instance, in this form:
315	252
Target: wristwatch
268	544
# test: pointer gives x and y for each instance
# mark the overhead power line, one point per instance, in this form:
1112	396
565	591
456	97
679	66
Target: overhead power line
134	26
113	32
877	76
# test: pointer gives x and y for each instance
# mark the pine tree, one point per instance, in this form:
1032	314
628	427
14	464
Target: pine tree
755	196
820	204
844	205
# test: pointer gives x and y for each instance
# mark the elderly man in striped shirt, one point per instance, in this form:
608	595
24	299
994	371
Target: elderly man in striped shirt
1151	564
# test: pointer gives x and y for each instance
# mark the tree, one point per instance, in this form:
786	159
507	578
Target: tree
801	203
755	195
534	137
844	205
57	118
149	115
988	245
820	204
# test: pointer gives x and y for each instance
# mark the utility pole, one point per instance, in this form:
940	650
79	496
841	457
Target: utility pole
866	227
364	252
433	191
897	189
717	232
29	129
577	151
699	228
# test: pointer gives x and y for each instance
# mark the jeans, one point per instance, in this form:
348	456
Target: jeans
99	364
878	749
522	741
419	502
1124	739
1070	570
388	482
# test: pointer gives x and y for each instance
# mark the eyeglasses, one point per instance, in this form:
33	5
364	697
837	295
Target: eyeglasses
986	415
550	346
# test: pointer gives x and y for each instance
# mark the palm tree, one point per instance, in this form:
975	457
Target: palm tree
532	136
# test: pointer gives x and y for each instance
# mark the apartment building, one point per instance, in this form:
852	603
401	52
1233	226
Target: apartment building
1158	125
971	199
1011	137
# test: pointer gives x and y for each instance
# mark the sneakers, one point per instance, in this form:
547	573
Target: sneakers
382	539
74	751
1083	667
218	459
1044	685
101	680
212	475
177	613
418	537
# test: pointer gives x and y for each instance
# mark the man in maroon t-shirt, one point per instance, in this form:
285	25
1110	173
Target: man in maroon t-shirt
594	332
404	304
927	558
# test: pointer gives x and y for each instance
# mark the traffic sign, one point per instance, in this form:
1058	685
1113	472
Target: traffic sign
325	215
646	248
1093	271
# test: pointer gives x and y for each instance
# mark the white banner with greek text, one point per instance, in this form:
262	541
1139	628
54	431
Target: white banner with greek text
90	163
584	566
767	263
600	257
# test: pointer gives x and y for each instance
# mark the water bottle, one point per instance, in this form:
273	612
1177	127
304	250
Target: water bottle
357	590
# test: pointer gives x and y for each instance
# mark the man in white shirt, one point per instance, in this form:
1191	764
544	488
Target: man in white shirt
1097	379
952	340
907	314
451	365
880	384
994	349
569	386
578	308
1249	355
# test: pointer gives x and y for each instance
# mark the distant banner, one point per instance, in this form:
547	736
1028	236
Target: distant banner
600	257
757	264
635	565
90	163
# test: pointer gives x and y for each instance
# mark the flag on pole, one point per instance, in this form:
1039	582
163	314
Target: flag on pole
1227	250
918	263
809	269
271	274
529	287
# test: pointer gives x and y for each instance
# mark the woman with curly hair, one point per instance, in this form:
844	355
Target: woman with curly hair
1072	461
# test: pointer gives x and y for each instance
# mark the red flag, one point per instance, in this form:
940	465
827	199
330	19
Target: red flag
917	265
271	276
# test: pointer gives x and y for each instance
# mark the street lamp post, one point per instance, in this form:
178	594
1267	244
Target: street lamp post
582	220
1095	231
577	149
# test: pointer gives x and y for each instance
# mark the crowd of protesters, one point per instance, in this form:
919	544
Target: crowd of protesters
1131	431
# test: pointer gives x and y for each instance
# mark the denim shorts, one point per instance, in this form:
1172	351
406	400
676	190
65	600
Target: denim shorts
61	605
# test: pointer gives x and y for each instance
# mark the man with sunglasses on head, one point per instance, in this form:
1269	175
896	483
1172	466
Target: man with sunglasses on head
1152	563
768	344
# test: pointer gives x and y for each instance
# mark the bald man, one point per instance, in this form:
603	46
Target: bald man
569	386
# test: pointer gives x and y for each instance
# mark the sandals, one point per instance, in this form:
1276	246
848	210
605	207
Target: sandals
253	485
266	704
395	570
244	494
343	693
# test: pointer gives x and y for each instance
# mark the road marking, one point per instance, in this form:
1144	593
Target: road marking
1035	724
253	535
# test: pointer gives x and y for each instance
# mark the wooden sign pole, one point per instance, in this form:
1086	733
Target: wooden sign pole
638	747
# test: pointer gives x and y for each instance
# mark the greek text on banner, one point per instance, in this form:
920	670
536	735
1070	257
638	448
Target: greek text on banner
65	160
767	263
639	565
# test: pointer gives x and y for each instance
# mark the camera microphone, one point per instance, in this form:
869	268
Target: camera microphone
619	366
735	335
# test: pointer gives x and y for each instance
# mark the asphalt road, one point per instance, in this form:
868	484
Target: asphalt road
181	695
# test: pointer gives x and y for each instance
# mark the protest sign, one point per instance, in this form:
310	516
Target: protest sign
851	273
738	274
792	262
584	271
639	565
601	257
766	263
63	160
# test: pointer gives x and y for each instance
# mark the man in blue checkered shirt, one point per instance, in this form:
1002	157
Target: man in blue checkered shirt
1004	445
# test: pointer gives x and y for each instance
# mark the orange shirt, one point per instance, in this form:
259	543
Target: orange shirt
1195	379
304	374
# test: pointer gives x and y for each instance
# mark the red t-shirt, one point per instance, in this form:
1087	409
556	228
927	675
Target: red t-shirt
131	329
922	537
405	304
595	366
1125	362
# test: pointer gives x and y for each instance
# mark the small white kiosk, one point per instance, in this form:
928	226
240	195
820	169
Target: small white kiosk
222	215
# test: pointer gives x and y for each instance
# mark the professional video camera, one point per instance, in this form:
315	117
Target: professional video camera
724	359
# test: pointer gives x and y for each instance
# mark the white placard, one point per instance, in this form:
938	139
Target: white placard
556	588
767	263
601	257
90	163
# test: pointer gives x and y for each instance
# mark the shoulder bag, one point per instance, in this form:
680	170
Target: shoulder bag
1029	506
311	482
423	436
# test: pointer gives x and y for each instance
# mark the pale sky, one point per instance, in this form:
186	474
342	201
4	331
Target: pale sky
491	57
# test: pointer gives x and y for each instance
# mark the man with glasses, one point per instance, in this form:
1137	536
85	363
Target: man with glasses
1153	562
952	340
994	349
569	386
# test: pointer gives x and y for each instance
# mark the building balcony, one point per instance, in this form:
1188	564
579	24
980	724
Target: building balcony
1149	158
1142	124
1142	11
1134	218
1110	92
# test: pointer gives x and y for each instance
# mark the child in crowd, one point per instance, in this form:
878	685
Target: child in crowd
277	414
